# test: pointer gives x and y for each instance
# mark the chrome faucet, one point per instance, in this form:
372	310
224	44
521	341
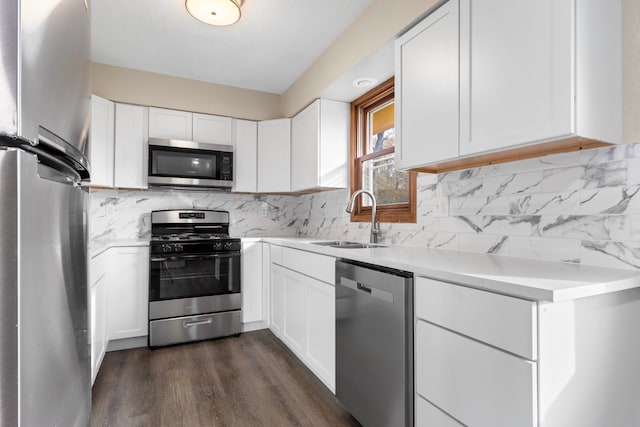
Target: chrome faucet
375	226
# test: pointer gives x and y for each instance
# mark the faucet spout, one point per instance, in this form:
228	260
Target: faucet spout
375	226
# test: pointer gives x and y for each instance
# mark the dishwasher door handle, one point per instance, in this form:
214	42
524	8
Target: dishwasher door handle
374	292
364	288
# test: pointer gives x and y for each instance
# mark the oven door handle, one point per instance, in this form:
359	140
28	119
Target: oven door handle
179	257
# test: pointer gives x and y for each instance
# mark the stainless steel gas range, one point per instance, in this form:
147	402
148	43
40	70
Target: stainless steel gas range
194	280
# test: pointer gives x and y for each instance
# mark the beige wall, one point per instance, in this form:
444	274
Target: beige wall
159	90
631	71
381	22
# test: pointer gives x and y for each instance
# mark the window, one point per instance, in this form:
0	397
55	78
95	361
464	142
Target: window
373	162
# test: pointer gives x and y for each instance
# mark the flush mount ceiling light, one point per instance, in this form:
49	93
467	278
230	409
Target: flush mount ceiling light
364	82
215	12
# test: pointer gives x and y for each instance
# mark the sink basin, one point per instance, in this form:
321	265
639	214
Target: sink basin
345	244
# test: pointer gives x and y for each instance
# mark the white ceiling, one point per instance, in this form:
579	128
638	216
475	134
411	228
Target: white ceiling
274	42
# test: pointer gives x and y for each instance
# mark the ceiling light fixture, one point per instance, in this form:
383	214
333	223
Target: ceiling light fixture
215	12
364	82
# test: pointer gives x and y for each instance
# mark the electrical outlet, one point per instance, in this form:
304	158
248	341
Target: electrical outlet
264	209
440	207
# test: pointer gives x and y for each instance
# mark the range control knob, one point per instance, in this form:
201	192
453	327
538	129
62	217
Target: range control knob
217	246
228	245
167	248
178	247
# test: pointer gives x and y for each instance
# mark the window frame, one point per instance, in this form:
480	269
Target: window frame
400	212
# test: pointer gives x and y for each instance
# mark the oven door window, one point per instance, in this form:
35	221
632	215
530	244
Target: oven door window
196	164
188	276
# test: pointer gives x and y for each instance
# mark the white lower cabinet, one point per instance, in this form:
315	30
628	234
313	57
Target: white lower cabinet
321	331
485	359
295	311
251	281
302	312
128	293
478	384
276	300
428	415
98	310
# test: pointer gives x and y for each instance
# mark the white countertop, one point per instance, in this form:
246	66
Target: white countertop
524	278
96	247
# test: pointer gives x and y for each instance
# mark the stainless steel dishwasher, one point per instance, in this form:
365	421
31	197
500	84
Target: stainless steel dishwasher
374	343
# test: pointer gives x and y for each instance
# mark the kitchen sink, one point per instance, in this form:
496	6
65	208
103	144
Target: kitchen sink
345	244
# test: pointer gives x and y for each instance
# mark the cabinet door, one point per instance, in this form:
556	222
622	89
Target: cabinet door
426	90
171	124
321	330
277	300
305	147
274	156
335	131
131	148
99	339
474	383
516	75
251	281
128	294
245	156
102	140
295	312
212	129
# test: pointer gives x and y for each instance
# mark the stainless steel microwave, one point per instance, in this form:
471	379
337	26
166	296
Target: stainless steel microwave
190	164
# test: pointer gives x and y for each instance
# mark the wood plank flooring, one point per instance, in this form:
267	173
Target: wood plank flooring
251	380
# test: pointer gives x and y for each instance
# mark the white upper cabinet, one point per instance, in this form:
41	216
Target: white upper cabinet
101	146
320	146
516	77
212	129
186	126
274	156
426	90
522	72
131	148
245	156
170	124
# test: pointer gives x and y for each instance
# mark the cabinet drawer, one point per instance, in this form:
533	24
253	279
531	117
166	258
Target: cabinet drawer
428	415
320	267
477	384
505	322
98	267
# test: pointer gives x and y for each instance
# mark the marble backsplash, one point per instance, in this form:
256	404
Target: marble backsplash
580	207
126	214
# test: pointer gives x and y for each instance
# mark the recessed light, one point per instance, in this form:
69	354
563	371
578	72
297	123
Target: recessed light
215	12
364	82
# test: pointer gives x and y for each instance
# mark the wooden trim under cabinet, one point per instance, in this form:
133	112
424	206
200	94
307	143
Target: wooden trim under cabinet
575	143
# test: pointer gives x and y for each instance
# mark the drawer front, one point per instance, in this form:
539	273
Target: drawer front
320	267
477	384
505	322
98	267
193	328
428	415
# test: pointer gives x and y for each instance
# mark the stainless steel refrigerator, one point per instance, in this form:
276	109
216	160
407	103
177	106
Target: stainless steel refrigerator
44	122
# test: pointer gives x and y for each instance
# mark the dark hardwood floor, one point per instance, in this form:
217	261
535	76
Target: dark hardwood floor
251	380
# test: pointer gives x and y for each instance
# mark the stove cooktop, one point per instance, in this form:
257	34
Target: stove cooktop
190	236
